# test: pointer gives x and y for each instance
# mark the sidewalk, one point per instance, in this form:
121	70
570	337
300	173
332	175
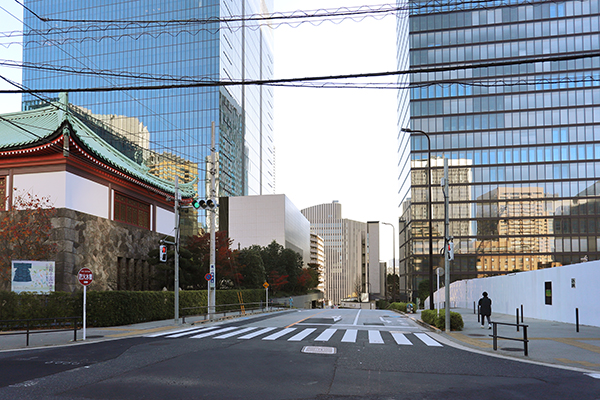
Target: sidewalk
549	342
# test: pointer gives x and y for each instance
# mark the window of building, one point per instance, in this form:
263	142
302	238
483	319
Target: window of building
131	211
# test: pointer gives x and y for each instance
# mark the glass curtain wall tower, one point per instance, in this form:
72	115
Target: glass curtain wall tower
117	43
509	92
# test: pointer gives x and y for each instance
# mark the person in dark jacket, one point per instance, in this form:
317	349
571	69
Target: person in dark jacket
485	310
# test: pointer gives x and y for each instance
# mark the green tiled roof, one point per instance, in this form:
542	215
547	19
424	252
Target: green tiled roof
30	128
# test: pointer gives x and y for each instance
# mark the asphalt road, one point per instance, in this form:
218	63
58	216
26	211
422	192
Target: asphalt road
313	354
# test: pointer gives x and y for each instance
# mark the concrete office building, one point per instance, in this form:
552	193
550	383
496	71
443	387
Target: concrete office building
317	257
258	220
174	46
514	104
346	252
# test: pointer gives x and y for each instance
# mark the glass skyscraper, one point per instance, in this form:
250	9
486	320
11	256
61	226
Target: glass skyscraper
508	92
115	43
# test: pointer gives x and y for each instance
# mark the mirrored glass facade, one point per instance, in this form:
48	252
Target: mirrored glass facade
521	132
159	42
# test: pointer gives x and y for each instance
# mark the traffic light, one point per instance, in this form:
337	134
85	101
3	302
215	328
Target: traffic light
162	253
205	204
450	252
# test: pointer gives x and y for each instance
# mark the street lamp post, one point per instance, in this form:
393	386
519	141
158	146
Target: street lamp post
416	131
393	260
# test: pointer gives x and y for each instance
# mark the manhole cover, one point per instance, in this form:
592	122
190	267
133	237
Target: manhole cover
318	350
93	336
476	334
511	349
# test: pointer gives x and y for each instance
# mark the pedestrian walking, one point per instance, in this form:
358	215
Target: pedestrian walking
485	310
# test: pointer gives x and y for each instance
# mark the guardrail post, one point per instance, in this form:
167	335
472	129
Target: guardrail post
577	319
27	333
517	320
495	335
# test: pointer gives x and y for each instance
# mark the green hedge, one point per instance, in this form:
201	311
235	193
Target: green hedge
401	306
114	308
432	317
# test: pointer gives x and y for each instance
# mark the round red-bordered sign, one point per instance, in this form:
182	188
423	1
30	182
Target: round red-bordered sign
85	276
208	277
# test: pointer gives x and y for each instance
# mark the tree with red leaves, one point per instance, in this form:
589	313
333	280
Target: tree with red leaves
198	254
25	232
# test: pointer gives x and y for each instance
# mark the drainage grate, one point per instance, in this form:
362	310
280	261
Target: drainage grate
93	336
373	324
476	334
320	321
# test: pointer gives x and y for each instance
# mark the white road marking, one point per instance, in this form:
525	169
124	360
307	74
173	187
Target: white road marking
401	338
427	340
257	333
235	333
185	331
350	336
279	334
356	319
203	335
299	336
325	335
188	332
375	337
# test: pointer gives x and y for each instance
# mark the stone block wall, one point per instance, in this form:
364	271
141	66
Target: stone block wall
116	253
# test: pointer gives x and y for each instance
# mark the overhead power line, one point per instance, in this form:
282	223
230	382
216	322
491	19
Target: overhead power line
234	23
202	82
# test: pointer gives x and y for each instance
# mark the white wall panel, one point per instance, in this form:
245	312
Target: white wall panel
165	221
49	184
86	196
509	292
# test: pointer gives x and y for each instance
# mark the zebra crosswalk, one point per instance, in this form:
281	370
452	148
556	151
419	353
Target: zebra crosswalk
294	334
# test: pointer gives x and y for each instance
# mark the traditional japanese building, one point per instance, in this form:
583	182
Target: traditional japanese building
110	209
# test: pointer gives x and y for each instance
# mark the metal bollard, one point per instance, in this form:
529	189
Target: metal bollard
577	319
521	313
517	320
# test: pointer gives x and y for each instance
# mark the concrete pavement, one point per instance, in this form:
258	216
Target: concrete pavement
550	342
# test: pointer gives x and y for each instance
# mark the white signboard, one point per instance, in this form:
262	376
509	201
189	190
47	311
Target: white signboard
33	276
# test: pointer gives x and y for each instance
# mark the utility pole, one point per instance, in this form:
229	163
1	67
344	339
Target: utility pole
176	261
211	285
446	241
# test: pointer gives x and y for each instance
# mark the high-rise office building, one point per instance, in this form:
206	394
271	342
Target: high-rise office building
509	92
345	250
113	43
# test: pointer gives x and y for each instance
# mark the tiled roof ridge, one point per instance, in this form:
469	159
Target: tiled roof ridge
94	144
